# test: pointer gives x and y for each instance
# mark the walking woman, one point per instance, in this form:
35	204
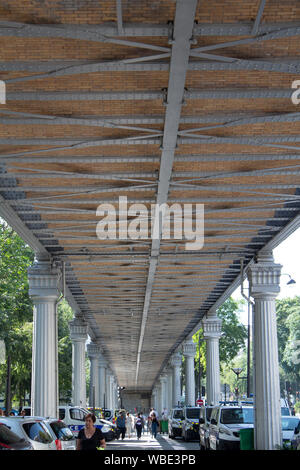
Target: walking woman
90	437
128	425
139	426
154	425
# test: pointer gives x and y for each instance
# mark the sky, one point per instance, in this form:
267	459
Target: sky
288	255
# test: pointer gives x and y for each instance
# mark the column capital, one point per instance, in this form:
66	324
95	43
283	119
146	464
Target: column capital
43	281
189	348
264	276
176	359
163	378
78	329
93	350
212	327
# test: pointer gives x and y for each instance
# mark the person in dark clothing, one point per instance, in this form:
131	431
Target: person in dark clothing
139	426
154	425
121	425
90	437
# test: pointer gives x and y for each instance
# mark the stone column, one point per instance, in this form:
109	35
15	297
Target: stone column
264	281
78	330
212	332
44	291
158	398
189	351
163	394
108	389
93	350
169	389
176	364
102	364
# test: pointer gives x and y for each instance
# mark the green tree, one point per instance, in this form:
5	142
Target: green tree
232	341
65	314
288	332
15	309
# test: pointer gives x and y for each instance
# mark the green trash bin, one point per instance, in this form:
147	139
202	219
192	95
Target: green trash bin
164	426
247	439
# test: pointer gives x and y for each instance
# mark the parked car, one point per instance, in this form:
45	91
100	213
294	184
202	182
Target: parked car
296	438
64	438
175	423
204	420
11	441
73	416
190	425
32	429
290	424
225	424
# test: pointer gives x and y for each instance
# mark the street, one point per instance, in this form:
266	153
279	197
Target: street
162	442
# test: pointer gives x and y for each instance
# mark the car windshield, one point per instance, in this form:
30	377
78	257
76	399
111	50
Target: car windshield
36	432
178	414
237	416
7	436
61	431
192	413
289	424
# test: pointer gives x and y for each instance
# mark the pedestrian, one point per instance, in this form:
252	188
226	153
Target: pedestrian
121	425
144	419
1	412
154	425
138	426
90	437
128	425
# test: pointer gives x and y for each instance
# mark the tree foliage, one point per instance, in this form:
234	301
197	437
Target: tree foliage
288	332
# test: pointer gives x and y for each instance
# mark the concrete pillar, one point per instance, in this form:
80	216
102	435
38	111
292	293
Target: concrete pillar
176	365
108	389
264	281
158	398
93	350
163	392
102	364
189	351
78	330
212	332
169	388
44	291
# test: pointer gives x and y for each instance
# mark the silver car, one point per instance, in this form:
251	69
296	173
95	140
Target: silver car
63	436
32	429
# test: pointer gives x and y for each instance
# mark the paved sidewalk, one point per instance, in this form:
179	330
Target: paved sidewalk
162	442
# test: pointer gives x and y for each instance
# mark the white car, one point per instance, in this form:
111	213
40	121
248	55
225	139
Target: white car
226	422
175	423
289	424
32	429
63	436
190	425
204	420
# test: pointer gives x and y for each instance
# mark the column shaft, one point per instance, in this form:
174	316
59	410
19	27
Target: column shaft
264	280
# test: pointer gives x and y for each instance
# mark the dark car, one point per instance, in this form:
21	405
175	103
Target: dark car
11	441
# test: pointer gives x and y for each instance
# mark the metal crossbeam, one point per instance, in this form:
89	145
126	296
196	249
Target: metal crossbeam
183	29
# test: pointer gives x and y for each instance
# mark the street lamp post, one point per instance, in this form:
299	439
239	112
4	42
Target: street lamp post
237	371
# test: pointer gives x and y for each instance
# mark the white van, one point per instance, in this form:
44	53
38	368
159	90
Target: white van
73	417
